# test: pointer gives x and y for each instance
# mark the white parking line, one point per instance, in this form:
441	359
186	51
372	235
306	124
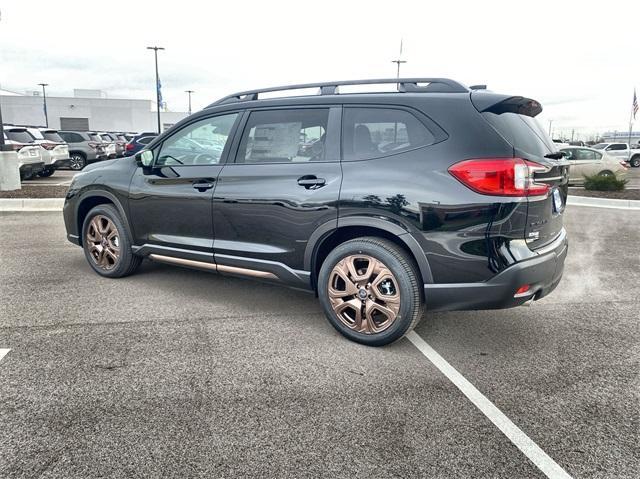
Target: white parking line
3	353
530	449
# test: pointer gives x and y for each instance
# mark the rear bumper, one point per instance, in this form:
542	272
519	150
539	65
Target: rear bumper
61	162
29	169
542	273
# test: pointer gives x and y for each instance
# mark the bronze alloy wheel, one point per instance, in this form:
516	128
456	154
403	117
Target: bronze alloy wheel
103	242
364	294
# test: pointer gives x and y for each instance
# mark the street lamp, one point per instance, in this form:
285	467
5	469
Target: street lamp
44	96
158	97
189	92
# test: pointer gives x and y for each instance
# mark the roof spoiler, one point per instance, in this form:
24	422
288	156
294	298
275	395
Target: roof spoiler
494	103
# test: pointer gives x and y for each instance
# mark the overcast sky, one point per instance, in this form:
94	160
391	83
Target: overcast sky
581	60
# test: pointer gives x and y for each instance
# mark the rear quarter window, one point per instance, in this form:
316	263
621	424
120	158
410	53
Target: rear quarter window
379	132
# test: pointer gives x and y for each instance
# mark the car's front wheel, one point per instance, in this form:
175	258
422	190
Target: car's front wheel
635	161
370	291
107	243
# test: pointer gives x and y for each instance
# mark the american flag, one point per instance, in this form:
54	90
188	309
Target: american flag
634	107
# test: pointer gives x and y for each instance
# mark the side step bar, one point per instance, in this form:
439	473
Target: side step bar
212	267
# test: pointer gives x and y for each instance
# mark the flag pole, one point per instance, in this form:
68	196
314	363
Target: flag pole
631	121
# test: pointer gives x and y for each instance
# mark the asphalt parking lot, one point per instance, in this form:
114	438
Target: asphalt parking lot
180	373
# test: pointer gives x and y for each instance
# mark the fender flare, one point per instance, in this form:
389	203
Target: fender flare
326	229
97	193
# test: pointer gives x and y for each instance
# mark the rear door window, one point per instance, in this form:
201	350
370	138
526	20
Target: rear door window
284	136
378	132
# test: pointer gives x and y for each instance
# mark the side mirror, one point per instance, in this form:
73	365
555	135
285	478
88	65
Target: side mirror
145	158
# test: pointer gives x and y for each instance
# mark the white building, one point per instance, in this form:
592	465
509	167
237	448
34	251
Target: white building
620	137
86	110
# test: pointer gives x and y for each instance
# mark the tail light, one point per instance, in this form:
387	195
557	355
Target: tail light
48	146
624	165
17	147
500	176
129	147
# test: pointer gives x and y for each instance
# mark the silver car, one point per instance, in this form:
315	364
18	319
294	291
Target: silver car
588	162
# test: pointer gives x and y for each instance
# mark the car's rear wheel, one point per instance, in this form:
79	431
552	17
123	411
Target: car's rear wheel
635	161
46	172
107	243
370	291
605	173
77	161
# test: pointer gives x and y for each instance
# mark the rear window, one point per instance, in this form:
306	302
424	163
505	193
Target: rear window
107	138
52	136
72	137
523	132
21	136
145	140
95	138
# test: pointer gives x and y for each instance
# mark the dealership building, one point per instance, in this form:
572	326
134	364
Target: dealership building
85	110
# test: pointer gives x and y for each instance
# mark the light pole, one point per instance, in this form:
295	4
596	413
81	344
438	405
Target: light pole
158	94
189	92
44	105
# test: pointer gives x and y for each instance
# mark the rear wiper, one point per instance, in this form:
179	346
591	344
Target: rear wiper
558	155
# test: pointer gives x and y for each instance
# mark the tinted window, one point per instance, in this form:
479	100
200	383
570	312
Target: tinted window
522	132
21	136
95	138
52	136
145	140
378	132
36	134
106	138
282	136
599	146
200	143
617	147
72	137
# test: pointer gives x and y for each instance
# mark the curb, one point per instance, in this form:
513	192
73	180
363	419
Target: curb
55	204
603	203
31	204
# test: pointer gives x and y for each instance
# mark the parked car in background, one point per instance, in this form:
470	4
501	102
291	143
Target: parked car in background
138	142
110	143
30	160
621	151
119	141
57	148
588	162
84	148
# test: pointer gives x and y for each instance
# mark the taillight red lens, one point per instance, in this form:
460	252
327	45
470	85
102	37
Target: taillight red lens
500	176
48	146
93	144
129	146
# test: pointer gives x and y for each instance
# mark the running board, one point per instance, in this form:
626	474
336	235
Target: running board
220	268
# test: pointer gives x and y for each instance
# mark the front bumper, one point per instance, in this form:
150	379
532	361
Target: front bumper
542	272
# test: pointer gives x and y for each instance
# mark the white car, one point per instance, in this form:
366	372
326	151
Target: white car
49	157
30	160
57	148
621	151
588	162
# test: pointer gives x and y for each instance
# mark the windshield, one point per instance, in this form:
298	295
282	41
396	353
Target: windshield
600	146
53	136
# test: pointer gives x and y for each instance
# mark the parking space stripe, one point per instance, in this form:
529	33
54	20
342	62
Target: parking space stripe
3	353
530	449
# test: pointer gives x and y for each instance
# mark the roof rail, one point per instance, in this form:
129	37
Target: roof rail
405	85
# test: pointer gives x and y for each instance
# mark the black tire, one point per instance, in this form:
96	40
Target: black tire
635	161
405	273
77	161
47	172
605	173
127	262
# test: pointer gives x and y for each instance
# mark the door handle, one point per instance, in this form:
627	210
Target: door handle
311	182
202	185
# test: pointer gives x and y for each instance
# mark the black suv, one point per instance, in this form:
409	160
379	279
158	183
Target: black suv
432	195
